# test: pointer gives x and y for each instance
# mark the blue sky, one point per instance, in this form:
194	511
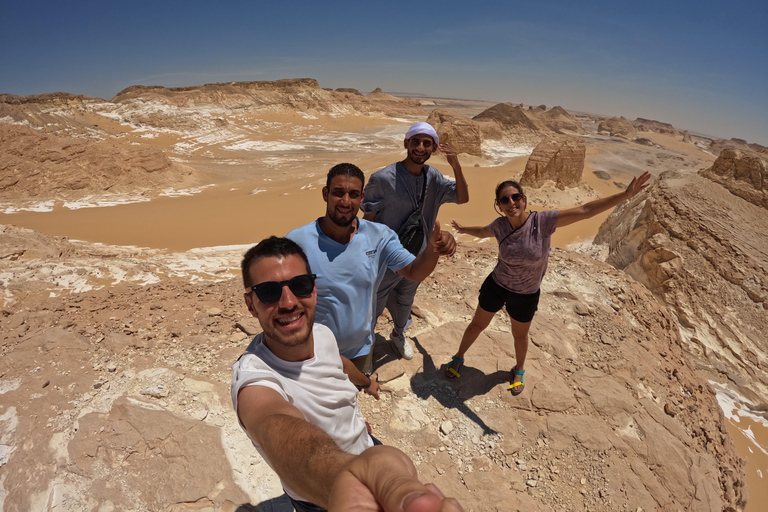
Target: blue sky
701	66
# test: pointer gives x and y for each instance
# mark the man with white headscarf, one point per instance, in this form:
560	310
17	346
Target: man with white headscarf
407	194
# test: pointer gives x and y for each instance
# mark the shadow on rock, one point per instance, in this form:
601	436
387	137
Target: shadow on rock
279	504
474	382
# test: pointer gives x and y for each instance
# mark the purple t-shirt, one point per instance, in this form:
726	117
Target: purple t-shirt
523	253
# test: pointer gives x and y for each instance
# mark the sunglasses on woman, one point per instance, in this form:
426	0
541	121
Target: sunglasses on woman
270	292
513	197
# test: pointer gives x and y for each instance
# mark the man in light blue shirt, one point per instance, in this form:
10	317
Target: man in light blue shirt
350	256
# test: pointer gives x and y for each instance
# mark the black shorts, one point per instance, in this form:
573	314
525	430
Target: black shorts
520	306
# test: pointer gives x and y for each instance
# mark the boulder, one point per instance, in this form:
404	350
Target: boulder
743	172
558	159
458	130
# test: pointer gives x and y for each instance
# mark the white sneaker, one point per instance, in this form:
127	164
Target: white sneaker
402	344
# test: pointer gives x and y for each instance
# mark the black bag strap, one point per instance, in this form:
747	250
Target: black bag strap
535	230
423	191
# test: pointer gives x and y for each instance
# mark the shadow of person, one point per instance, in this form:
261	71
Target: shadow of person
278	504
474	383
383	352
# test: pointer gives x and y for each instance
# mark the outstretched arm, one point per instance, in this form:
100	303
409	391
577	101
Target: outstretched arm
478	231
462	189
383	478
440	243
592	208
308	460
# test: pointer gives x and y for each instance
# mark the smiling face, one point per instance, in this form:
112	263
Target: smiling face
287	323
513	210
344	197
420	147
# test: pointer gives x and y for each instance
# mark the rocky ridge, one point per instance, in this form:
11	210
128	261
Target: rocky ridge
297	94
703	252
36	165
110	394
649	125
507	122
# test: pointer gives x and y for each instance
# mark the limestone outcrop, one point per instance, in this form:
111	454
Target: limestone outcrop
296	94
704	253
559	159
649	125
717	146
618	127
46	166
743	172
460	131
559	120
525	127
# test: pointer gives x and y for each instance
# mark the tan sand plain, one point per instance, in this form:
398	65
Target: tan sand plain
222	216
756	469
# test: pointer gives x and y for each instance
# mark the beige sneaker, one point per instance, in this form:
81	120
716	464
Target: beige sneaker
402	344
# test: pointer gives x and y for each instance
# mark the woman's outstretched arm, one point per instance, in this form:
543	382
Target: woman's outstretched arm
478	231
592	208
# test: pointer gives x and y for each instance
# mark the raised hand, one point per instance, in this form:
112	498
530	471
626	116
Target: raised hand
638	184
450	154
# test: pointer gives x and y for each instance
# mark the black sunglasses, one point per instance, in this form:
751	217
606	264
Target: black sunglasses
514	197
270	292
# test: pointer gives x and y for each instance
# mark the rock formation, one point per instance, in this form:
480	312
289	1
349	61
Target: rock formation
718	145
517	125
46	166
704	253
115	397
744	173
302	94
649	125
349	90
618	127
687	137
509	117
560	160
458	130
558	120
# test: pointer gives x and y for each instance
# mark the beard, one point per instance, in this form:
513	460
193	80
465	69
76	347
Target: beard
294	338
418	159
341	221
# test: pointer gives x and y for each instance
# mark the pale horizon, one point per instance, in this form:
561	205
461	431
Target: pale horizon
697	65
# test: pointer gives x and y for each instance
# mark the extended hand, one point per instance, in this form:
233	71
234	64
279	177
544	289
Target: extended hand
446	246
373	389
458	227
450	154
638	184
383	479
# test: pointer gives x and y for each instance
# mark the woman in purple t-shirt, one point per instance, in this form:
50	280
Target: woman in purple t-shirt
524	244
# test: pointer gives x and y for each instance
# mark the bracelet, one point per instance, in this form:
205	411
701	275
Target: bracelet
360	388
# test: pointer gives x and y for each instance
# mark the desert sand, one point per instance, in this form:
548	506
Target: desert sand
143	296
